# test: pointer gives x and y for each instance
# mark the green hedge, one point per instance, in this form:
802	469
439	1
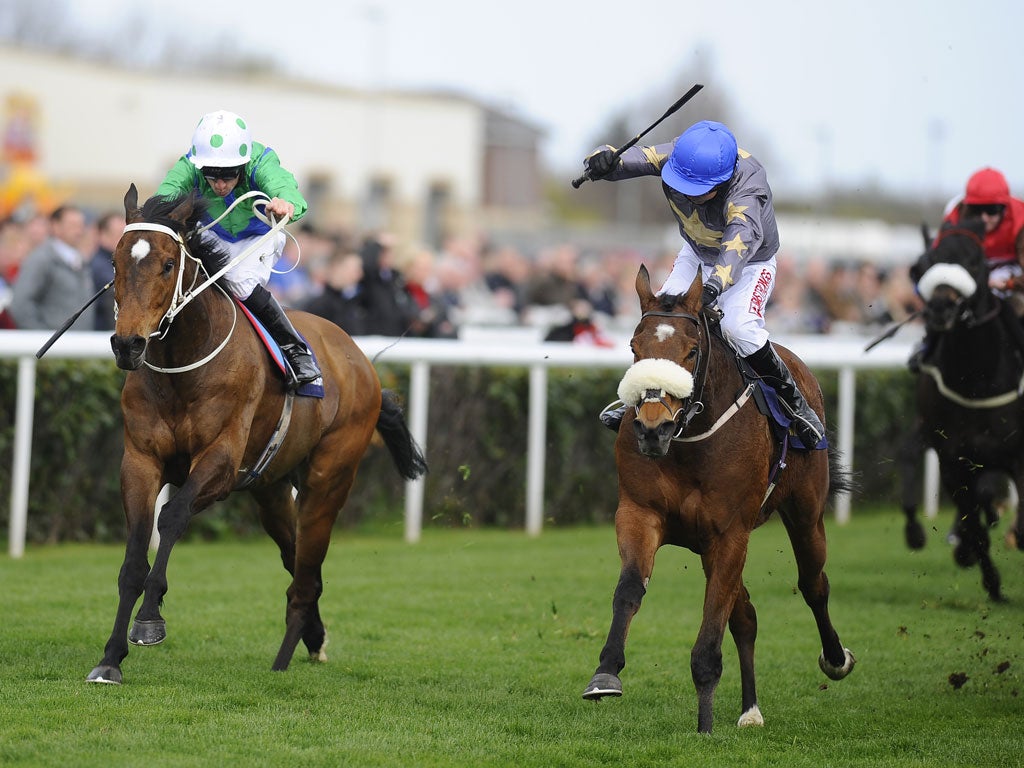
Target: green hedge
476	447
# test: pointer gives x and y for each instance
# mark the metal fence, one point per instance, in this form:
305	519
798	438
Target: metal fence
843	354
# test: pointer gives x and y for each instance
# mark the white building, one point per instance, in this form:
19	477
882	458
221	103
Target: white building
419	164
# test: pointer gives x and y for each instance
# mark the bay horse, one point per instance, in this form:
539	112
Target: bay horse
969	392
696	463
203	405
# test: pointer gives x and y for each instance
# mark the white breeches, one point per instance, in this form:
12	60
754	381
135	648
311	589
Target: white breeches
256	268
742	303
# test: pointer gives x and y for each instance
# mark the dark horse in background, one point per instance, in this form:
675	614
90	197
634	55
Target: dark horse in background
208	428
969	391
699	467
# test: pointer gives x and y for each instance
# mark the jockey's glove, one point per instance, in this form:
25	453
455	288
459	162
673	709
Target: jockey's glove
712	288
600	163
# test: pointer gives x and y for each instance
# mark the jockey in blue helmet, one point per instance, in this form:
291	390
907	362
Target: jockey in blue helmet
721	200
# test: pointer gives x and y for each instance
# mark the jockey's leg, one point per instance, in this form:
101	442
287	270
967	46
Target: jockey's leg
264	306
767	364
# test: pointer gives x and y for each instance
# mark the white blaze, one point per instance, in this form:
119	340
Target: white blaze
140	250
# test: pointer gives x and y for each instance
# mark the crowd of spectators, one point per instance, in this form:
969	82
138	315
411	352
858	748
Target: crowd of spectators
378	285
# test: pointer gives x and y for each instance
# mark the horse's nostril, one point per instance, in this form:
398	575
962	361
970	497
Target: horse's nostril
130	347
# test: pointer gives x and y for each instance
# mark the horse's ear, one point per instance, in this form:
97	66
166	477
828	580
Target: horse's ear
691	299
643	286
131	205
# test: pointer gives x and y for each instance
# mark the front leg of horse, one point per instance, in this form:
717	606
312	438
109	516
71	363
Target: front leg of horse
149	627
625	603
129	586
743	626
909	459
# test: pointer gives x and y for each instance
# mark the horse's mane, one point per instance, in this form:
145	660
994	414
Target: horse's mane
158	209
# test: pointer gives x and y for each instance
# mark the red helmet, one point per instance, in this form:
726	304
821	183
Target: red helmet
987	187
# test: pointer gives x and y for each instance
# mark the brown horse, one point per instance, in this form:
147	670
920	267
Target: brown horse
696	465
224	424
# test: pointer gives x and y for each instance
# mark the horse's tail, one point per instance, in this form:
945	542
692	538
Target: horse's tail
406	454
840	480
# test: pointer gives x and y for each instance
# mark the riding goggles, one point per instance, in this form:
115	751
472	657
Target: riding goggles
221	174
989	210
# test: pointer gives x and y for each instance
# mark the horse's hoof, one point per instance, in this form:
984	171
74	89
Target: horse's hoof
965	556
602	684
837	673
104	674
148	632
319	655
751	717
914	534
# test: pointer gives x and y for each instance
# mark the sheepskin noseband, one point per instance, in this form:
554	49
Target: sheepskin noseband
953	275
657	374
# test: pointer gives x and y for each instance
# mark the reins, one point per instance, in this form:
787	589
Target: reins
183	297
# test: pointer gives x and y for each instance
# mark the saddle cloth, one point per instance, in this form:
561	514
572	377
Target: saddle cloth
309	389
767	400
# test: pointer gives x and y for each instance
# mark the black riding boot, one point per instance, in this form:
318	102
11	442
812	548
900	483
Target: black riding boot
612	417
767	364
264	306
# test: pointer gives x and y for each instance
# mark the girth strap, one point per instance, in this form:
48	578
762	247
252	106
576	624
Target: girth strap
273	446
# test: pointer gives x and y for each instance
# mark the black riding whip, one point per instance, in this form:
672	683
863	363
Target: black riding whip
889	332
70	321
668	113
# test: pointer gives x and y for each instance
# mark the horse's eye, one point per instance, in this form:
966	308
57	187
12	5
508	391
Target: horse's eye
691	354
168	266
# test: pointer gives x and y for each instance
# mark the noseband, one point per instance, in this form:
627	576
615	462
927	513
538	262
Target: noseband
693	405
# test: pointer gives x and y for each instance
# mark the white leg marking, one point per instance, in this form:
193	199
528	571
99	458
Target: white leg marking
751	717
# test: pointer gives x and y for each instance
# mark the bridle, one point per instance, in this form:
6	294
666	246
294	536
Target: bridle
184	296
693	404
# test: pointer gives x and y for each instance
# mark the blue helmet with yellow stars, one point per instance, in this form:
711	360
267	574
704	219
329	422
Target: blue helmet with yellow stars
703	157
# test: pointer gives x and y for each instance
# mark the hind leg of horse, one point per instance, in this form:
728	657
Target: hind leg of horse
809	548
638	540
139	496
322	497
743	626
278	514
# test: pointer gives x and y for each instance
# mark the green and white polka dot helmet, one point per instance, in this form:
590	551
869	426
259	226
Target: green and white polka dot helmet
221	140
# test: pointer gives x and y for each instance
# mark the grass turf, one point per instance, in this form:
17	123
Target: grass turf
471	648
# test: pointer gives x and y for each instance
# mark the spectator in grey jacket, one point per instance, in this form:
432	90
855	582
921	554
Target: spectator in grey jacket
54	280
